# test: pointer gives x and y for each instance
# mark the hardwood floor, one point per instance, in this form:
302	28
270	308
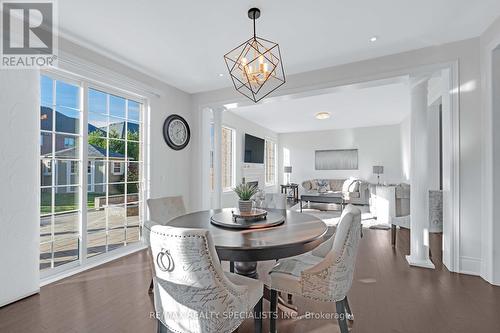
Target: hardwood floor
386	296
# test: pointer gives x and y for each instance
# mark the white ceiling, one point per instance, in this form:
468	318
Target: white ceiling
183	42
350	107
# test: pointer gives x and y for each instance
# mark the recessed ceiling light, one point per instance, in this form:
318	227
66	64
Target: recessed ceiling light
322	115
373	39
221	75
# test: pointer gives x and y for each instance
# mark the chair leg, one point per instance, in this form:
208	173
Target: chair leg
348	310
290	299
393	235
150	291
231	266
258	316
274	313
341	316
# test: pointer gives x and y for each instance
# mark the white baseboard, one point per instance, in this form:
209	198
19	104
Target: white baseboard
470	266
34	292
93	262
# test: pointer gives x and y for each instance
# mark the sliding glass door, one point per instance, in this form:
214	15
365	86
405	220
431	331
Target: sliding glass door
91	171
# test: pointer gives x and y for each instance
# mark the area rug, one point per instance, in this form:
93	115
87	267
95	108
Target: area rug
332	217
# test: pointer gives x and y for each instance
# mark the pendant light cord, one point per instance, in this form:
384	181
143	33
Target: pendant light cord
254	35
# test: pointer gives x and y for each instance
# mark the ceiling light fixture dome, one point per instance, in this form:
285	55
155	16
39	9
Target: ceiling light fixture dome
255	66
322	115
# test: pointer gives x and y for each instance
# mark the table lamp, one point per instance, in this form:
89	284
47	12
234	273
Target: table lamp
378	170
288	171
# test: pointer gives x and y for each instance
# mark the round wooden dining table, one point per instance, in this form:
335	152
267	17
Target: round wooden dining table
299	233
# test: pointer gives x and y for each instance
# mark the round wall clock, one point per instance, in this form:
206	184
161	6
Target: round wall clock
176	132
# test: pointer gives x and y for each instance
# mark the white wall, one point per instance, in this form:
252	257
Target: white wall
376	146
467	54
490	83
242	126
19	193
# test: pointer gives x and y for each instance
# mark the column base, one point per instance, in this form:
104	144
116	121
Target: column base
424	263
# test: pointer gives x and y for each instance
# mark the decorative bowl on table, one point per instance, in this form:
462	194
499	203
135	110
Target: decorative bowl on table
255	219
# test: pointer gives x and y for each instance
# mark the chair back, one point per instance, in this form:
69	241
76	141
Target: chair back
190	288
162	210
275	200
331	279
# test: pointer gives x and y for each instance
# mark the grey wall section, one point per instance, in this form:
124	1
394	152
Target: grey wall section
19	193
467	54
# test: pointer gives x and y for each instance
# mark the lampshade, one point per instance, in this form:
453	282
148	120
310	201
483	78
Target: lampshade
378	169
288	169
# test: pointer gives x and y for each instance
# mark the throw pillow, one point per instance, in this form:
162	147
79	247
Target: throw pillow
314	185
323	186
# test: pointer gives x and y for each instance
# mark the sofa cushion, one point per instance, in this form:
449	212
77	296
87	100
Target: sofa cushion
336	184
314	185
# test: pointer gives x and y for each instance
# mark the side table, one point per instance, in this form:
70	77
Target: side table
293	188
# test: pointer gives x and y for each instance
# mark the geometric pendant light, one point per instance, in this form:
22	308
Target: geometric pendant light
255	66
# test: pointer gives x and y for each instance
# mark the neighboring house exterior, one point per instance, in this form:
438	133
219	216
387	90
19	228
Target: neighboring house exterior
66	147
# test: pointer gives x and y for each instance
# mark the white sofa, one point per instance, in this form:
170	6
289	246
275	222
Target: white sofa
353	190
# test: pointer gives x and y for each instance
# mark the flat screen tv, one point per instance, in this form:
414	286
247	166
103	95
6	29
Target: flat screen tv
254	149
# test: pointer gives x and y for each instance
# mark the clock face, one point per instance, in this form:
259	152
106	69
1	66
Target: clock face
176	132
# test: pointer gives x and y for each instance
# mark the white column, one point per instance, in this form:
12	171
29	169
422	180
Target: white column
217	195
419	194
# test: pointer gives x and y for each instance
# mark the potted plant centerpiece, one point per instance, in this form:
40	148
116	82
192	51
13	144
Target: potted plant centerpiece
245	192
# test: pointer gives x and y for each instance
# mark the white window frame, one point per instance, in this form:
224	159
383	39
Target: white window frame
233	159
86	79
266	142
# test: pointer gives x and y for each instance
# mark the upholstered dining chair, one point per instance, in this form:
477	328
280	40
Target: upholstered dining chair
274	200
161	211
191	292
324	274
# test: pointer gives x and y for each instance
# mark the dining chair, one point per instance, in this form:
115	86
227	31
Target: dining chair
191	291
324	274
274	200
161	211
